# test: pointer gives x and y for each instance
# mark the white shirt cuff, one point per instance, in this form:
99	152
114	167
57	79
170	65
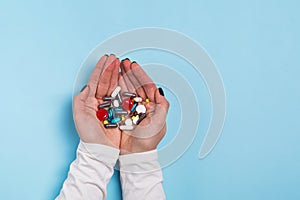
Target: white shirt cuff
145	162
108	155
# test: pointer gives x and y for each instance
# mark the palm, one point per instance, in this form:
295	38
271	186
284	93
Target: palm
151	130
90	129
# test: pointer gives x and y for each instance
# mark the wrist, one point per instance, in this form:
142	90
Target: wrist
135	149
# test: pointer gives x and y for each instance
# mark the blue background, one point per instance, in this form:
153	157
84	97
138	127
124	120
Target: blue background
255	45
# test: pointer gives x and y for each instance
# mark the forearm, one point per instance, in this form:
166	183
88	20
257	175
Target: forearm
89	173
141	176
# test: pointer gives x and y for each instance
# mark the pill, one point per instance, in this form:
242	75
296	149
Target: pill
140	109
133	113
116	91
105	122
129	94
133	107
122	117
104	105
102	114
141	117
128	122
108	98
137	99
126	127
116	103
127	104
110	125
147	100
135	119
115	120
119	98
121	112
110	114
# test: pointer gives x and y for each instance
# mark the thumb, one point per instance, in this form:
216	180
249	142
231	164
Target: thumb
84	92
160	99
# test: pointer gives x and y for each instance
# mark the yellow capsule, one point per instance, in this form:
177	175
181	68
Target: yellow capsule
135	119
123	117
147	100
105	122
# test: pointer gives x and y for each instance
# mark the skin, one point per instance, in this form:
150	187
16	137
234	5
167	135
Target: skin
103	80
147	135
100	84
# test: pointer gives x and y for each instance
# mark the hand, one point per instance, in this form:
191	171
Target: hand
102	82
147	135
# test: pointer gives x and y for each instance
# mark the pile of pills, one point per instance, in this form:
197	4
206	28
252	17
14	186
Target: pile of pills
123	111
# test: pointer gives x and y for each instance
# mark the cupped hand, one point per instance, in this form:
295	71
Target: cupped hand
147	135
102	82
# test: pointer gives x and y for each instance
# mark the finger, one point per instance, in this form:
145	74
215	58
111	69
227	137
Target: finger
114	77
125	65
81	97
122	83
104	80
94	78
145	81
160	99
136	84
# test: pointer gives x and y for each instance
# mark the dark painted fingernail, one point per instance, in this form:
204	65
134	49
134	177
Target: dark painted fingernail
133	61
112	54
125	59
161	92
105	54
83	88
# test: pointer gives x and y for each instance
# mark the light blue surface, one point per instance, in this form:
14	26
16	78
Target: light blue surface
255	45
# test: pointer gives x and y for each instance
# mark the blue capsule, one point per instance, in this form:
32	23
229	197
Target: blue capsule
134	106
115	120
110	114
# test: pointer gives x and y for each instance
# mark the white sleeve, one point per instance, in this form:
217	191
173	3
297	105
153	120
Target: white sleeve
141	176
89	173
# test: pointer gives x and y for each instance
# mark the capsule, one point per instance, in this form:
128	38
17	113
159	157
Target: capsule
115	120
104	105
108	98
129	94
115	92
135	119
111	114
141	117
121	112
133	114
147	100
126	127
133	107
119	98
110	125
137	99
105	122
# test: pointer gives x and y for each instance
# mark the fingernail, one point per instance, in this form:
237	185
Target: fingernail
161	92
83	88
112	54
106	55
133	61
125	59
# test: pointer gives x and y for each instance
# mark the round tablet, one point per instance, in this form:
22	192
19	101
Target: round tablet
128	122
140	109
